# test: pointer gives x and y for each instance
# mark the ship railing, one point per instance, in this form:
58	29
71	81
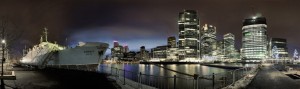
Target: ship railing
145	81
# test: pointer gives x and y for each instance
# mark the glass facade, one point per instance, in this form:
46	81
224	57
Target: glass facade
229	49
208	40
254	41
188	43
172	42
281	47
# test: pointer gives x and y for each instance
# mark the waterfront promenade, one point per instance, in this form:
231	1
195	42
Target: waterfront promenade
58	79
270	78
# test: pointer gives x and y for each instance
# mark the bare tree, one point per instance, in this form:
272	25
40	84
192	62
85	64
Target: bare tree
11	33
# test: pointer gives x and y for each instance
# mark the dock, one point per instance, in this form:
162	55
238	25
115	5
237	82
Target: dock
51	78
223	66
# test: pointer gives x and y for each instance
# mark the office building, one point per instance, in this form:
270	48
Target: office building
172	42
188	42
278	46
254	39
229	48
208	40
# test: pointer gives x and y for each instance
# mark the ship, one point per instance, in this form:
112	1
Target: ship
84	56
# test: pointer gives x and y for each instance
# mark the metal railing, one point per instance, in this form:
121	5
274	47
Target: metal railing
144	81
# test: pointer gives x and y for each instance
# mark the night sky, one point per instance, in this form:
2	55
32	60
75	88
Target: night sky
143	22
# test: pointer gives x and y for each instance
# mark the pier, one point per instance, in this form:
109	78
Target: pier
51	78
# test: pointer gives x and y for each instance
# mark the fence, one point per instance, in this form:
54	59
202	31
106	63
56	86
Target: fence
139	80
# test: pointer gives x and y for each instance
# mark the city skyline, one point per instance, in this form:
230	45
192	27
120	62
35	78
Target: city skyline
144	24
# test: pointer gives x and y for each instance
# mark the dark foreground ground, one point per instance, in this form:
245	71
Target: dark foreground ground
58	79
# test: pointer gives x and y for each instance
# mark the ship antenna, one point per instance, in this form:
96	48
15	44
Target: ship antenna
46	34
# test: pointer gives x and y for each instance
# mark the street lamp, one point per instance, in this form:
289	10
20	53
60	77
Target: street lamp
3	41
3	60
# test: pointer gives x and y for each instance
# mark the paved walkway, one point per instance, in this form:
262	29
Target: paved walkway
270	78
58	79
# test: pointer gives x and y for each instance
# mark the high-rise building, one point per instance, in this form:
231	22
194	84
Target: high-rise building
188	43
117	52
229	49
116	43
208	40
126	48
254	41
159	52
172	42
143	54
220	49
278	45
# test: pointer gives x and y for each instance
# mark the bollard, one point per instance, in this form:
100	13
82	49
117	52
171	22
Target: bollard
117	75
213	80
225	78
111	69
196	78
233	77
124	77
174	81
140	80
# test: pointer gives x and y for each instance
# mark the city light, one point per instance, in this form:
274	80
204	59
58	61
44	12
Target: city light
3	41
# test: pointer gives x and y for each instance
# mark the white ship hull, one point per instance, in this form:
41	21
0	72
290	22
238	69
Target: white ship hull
52	55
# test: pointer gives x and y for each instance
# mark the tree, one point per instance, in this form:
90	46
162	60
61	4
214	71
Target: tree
295	56
12	34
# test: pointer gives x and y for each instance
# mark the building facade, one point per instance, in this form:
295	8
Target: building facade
143	54
159	52
278	46
188	42
220	49
254	39
229	48
172	42
208	40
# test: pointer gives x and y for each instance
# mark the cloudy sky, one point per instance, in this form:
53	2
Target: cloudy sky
143	22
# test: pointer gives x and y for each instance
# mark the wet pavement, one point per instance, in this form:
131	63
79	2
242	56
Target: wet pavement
58	79
270	78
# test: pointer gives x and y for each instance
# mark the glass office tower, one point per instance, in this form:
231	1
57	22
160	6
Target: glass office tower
188	42
254	40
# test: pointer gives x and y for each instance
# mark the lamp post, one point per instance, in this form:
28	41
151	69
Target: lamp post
3	60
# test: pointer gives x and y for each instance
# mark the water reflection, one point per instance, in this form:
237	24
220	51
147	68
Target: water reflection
164	71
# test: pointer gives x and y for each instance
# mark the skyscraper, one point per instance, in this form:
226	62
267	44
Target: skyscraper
229	49
172	42
116	43
208	40
281	48
254	41
220	49
126	48
188	35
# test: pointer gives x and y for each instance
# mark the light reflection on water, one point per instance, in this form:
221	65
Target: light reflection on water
150	69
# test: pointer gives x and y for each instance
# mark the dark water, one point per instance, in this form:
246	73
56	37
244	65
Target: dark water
162	77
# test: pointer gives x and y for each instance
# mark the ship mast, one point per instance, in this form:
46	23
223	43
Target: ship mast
46	34
41	40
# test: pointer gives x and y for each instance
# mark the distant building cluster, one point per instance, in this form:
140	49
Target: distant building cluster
195	43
